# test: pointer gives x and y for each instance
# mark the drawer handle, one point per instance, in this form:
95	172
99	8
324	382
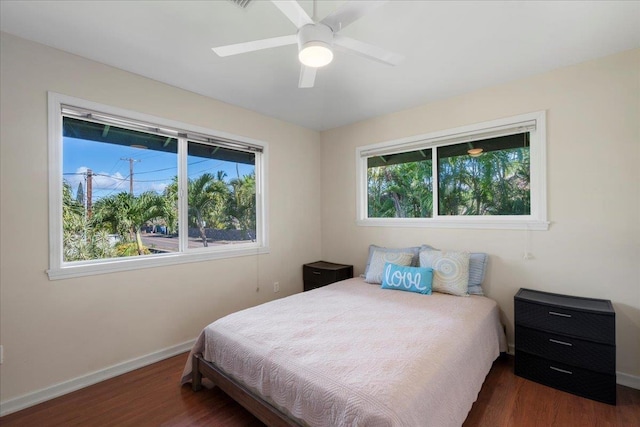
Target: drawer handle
561	342
564	371
317	272
553	313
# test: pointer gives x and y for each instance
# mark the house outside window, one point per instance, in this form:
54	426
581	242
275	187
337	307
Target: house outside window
131	191
487	175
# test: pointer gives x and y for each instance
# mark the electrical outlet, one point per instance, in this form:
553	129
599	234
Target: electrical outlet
527	256
276	286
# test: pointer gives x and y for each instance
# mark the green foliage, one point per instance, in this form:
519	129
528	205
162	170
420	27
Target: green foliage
125	214
130	249
242	203
207	196
496	183
212	202
401	190
80	240
170	206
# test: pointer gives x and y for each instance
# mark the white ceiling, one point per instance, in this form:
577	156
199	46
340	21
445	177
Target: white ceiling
450	48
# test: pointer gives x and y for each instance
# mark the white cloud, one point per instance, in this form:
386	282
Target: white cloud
104	181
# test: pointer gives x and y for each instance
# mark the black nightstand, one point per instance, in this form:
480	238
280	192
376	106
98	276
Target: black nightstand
322	273
566	342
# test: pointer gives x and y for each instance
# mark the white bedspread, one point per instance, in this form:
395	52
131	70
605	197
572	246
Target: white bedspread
353	354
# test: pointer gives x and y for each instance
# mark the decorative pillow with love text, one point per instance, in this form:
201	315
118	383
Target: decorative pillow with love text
410	279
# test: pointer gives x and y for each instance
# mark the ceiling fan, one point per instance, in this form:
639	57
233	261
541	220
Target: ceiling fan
318	39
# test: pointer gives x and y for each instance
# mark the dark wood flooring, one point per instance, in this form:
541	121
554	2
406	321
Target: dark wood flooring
151	396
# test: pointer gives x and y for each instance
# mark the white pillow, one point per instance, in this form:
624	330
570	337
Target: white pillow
379	258
450	270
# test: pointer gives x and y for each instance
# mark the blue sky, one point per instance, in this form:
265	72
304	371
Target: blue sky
153	170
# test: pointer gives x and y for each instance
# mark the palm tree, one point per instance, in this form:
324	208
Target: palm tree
206	195
125	214
242	204
170	206
402	190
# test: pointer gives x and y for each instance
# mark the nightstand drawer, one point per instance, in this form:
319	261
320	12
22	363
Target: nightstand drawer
593	326
593	385
319	276
585	354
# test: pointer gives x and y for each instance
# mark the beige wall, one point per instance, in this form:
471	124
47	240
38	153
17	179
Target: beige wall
593	168
54	331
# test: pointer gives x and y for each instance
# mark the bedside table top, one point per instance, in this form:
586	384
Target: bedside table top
326	265
587	304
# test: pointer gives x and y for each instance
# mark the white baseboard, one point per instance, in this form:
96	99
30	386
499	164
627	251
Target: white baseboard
628	380
57	390
622	378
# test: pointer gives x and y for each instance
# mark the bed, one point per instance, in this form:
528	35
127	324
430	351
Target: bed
353	354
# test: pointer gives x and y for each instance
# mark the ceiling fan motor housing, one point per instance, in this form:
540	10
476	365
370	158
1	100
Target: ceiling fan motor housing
311	33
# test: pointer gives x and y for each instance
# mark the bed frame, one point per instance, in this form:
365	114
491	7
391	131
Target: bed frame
263	410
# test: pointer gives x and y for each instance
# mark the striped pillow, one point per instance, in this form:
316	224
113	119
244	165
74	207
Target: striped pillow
477	267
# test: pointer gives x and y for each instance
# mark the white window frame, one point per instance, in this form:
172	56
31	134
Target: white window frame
59	269
535	123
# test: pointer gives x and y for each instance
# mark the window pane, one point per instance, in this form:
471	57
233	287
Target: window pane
221	195
117	197
496	182
400	185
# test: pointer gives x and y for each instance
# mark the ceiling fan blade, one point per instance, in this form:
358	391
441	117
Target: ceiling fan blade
349	12
235	49
307	77
366	50
292	10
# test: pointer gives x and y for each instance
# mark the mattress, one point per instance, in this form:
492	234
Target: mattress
353	354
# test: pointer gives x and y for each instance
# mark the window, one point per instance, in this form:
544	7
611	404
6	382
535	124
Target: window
488	175
131	191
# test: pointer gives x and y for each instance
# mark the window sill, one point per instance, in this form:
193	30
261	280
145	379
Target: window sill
484	223
125	264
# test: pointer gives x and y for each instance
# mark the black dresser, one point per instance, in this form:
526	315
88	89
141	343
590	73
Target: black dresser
566	342
322	273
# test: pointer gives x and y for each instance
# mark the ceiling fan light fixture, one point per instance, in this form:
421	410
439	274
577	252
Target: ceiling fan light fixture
314	45
315	54
474	152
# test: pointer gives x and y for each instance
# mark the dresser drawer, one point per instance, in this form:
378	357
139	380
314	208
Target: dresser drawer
592	326
593	385
585	354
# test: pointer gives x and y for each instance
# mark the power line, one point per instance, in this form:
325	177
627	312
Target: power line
145	172
115	187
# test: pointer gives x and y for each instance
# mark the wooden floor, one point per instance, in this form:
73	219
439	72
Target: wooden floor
151	396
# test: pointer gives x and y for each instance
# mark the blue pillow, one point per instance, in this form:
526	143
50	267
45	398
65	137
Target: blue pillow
410	279
477	268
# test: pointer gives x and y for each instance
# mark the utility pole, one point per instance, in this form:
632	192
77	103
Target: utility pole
131	162
89	192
